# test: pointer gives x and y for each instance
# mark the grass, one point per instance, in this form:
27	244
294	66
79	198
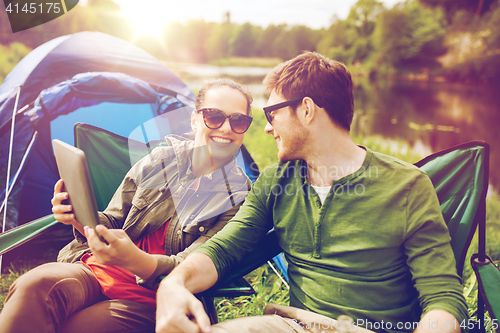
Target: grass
19	266
6	281
261	146
269	288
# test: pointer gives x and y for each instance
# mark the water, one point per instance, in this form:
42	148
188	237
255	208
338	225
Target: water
429	116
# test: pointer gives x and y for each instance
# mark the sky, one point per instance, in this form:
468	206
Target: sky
315	14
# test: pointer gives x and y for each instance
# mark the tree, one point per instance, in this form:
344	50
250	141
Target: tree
411	35
266	43
452	6
243	42
218	44
363	16
282	47
303	38
351	40
337	41
10	56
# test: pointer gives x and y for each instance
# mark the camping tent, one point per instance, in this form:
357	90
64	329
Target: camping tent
86	77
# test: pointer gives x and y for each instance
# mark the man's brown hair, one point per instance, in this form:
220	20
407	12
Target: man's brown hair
327	82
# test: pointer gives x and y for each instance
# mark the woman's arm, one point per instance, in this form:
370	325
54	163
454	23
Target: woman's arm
120	251
167	263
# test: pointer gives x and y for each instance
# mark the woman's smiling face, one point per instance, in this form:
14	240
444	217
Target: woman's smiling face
222	142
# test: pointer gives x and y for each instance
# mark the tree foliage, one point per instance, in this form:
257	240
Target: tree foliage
351	40
10	56
450	7
363	16
410	35
218	44
244	42
268	38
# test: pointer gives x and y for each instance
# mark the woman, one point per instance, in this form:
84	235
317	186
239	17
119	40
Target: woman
169	203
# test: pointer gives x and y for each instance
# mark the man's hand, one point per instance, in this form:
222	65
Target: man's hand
178	310
120	251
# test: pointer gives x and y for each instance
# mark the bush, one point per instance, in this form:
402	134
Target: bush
10	56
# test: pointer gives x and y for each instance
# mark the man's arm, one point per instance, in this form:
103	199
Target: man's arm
432	263
438	321
178	310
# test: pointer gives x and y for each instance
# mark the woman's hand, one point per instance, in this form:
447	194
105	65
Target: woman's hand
62	212
120	251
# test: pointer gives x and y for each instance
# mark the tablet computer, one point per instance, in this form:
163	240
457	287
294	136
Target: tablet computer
72	166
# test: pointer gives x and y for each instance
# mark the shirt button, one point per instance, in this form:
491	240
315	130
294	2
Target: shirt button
201	229
179	232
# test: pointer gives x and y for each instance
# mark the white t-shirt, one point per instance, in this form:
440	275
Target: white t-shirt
322	192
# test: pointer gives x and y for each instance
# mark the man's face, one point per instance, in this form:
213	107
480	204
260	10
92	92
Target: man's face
286	129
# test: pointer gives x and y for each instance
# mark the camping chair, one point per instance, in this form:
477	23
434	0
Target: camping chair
460	177
488	277
109	159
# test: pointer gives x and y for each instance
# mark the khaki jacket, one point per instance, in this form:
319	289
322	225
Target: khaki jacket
157	190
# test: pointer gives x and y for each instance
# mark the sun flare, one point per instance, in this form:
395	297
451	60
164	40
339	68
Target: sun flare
148	16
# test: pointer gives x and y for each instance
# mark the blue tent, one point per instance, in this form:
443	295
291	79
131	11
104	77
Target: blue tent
86	77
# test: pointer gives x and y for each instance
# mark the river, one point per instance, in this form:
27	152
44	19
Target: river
429	116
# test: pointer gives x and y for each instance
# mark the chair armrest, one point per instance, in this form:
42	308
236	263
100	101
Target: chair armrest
13	238
488	277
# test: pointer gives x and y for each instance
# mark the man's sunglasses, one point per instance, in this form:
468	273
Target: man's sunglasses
271	108
215	118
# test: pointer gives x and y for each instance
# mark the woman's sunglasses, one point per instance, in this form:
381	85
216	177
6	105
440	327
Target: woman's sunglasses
215	118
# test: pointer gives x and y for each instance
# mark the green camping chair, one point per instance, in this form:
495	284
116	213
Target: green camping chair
460	177
488	277
108	156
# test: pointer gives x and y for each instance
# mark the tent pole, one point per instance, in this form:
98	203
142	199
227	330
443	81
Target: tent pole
9	163
14	179
279	275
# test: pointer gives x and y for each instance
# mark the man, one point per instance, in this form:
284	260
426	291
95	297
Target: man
362	232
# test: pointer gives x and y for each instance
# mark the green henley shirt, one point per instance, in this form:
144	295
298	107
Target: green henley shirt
377	249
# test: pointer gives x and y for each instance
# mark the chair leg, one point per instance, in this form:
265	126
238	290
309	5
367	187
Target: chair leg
480	312
209	306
